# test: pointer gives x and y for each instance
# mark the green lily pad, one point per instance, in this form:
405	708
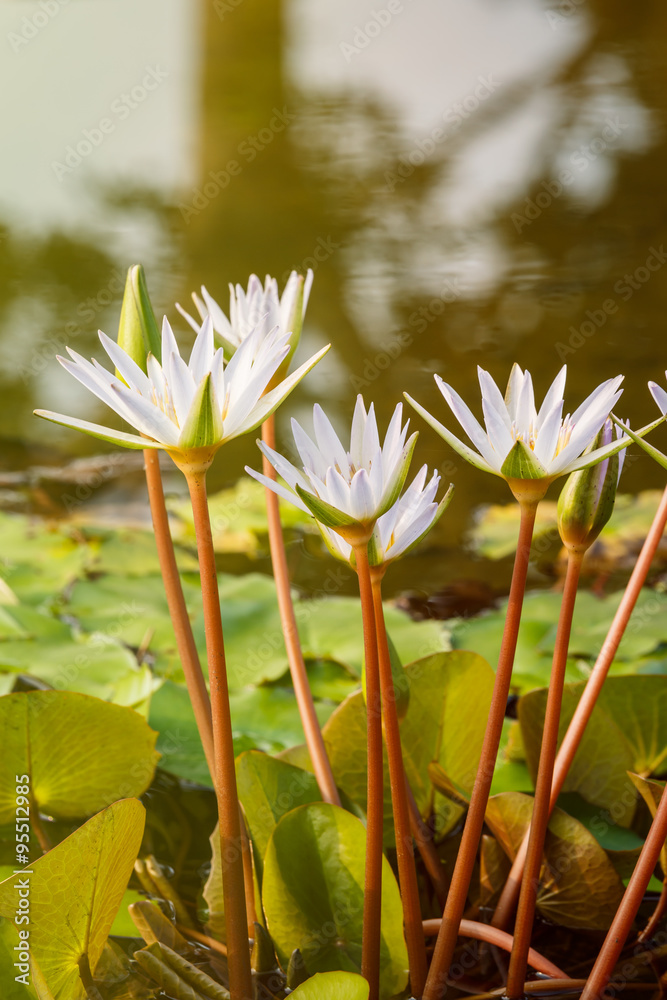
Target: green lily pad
79	752
39	560
627	732
579	887
75	892
333	986
313	895
443	723
651	792
11	989
269	788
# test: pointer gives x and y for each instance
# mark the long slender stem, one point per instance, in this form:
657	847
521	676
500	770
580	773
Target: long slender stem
38	829
627	911
575	730
541	811
185	643
436	983
370	941
304	697
426	847
501	939
656	916
233	888
186	646
407	873
87	980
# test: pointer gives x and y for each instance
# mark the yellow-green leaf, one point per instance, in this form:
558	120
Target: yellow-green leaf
80	753
75	892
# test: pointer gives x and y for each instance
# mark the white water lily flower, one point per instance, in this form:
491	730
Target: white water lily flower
660	396
346	490
260	304
186	408
402	527
520	443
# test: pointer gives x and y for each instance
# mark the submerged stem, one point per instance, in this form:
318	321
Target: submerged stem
304	697
436	983
584	710
370	944
407	872
233	888
541	803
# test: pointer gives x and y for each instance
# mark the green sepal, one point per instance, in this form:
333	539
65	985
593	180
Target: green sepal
296	970
138	332
324	512
462	449
203	426
263	958
637	437
521	463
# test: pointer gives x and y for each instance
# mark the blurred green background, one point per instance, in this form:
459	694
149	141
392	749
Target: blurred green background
474	182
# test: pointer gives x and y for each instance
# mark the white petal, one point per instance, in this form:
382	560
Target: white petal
468	422
357	432
98	430
188	318
289	472
337	491
492	394
497	431
361	497
607	388
328	441
220	322
547	436
395	437
128	368
554	394
203	351
271	484
181	385
659	395
169	344
147	418
584	433
311	456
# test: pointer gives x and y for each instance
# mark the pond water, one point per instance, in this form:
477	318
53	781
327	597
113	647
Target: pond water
473	182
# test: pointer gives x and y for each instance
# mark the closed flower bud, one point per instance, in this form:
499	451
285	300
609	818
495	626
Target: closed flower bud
587	500
138	333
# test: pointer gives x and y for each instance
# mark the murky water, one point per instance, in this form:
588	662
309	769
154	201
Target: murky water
473	182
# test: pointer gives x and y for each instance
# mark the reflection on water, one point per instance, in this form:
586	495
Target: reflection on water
473	183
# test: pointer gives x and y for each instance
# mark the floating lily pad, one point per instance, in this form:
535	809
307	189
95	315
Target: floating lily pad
313	895
75	892
44	733
627	732
579	887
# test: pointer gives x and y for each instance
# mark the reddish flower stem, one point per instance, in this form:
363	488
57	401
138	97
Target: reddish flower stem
304	697
371	935
436	982
185	644
656	916
426	847
627	911
178	612
233	885
579	721
541	804
407	873
501	939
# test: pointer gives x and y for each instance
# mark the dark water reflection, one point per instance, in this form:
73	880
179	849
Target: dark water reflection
475	183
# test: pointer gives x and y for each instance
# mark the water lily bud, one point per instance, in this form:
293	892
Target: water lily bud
138	333
296	970
263	958
587	500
